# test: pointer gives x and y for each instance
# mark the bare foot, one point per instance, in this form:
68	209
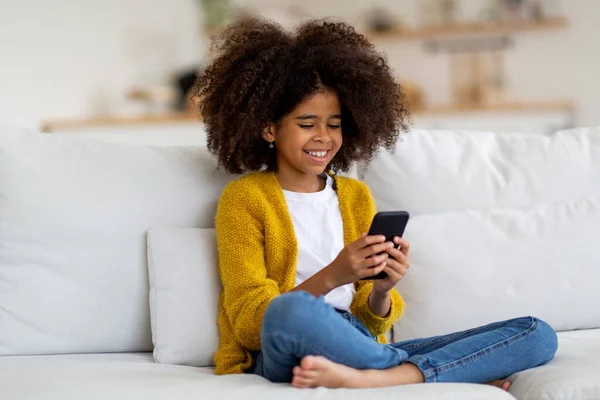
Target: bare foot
315	371
501	383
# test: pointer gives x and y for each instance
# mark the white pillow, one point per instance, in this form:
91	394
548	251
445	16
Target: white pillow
74	213
184	295
471	268
437	171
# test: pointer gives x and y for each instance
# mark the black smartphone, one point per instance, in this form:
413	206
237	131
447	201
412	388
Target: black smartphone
388	224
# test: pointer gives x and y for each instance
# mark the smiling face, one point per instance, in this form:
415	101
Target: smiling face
308	137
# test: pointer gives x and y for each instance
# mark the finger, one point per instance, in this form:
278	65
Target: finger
398	255
392	274
396	266
404	244
376	270
369	240
375	249
371	262
369	272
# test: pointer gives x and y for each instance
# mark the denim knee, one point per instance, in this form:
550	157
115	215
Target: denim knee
546	341
542	338
288	311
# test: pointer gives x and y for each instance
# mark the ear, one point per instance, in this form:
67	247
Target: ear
268	132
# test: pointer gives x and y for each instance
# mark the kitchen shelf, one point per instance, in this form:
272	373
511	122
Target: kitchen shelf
475	28
182	117
534	107
111	121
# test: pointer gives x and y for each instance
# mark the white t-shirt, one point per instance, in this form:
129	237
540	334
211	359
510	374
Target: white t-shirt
319	231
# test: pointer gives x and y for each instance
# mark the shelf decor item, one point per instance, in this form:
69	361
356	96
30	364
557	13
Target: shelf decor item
478	80
217	13
381	20
448	11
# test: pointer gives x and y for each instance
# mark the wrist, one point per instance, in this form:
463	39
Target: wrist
320	284
380	293
380	303
329	278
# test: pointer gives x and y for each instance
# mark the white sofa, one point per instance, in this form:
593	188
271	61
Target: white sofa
503	226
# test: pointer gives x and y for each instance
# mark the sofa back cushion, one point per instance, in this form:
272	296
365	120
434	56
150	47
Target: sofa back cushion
470	268
436	171
504	225
74	213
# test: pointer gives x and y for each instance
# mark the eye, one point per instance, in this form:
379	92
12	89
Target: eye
334	126
305	126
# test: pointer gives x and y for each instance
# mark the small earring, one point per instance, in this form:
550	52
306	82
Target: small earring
271	145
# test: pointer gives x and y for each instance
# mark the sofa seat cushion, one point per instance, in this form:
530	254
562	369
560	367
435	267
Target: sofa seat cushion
574	373
136	376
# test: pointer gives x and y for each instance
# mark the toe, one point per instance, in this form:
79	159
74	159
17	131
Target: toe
308	362
306	373
297	383
302	383
297	370
500	383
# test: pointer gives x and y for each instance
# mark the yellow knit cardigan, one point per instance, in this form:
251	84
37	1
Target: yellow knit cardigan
257	261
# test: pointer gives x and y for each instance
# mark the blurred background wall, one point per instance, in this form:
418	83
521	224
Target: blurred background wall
83	59
79	58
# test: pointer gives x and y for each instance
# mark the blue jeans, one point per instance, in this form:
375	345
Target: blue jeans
297	324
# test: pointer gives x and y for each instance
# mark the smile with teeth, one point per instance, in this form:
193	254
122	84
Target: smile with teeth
319	157
319	154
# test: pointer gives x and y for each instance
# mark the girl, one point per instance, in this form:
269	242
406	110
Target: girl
293	109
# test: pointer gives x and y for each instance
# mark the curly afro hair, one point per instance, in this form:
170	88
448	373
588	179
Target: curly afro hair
261	72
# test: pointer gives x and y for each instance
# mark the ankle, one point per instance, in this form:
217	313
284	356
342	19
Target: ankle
413	373
405	374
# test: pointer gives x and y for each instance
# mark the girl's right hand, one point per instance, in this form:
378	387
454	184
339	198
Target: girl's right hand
358	260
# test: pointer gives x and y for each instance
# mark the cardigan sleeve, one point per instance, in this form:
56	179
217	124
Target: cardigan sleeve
246	289
360	304
360	308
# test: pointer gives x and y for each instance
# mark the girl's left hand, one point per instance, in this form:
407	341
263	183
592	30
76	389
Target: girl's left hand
397	265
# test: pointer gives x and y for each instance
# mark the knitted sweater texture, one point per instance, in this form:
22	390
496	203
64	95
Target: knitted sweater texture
257	261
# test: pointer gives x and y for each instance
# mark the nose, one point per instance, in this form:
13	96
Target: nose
322	134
